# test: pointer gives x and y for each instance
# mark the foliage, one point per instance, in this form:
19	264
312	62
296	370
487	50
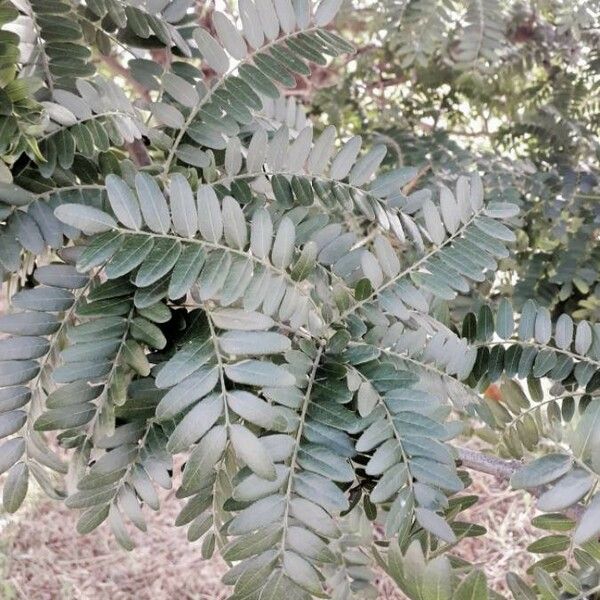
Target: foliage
196	270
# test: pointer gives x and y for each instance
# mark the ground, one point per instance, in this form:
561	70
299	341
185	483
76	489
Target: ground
43	558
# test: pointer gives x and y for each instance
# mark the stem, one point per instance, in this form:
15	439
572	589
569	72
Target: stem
108	113
318	176
214	339
412	268
113	38
423	365
217	246
397	435
299	332
42	51
221	463
294	458
106	384
44	363
537	406
411	185
585	595
140	446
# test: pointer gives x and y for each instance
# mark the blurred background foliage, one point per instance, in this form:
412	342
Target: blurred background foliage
510	88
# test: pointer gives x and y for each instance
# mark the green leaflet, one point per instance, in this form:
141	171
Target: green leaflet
183	208
159	261
90	220
129	256
250	450
152	203
195	423
123	202
186	392
186	271
541	471
260	373
190	358
589	525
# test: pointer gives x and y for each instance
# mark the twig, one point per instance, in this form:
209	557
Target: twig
410	186
138	153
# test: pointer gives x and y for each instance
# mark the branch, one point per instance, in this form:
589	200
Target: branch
504	469
485	463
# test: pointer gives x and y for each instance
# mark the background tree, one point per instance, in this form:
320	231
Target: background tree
510	86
